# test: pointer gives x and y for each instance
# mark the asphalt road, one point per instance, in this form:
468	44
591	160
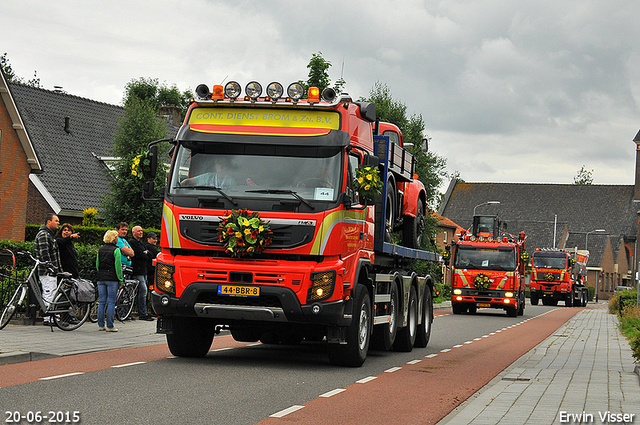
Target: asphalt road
247	383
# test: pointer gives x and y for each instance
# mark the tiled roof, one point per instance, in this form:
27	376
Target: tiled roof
538	209
72	174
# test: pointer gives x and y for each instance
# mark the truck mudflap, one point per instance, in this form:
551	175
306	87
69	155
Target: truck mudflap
275	304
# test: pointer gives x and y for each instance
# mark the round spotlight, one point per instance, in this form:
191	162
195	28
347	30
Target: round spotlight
253	90
295	91
202	91
329	94
164	300
232	90
275	90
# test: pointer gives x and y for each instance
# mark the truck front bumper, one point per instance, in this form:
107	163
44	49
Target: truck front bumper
275	304
486	299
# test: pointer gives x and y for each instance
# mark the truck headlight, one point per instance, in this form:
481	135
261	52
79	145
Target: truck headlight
508	294
322	284
457	292
164	278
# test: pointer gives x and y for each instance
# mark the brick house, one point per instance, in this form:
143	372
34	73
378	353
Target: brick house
600	218
18	159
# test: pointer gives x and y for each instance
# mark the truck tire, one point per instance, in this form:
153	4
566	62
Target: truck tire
358	336
521	301
407	336
568	301
413	228
390	211
534	299
457	308
424	328
385	335
512	312
191	337
585	297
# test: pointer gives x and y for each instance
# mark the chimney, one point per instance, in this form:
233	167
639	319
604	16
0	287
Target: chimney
636	188
172	114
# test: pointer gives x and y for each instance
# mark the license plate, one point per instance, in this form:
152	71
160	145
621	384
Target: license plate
239	291
484	305
548	294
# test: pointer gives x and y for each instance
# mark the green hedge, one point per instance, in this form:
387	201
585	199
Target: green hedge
88	235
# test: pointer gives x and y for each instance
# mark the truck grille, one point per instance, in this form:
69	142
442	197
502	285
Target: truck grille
284	235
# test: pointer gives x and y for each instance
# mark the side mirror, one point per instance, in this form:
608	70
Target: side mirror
425	145
371	160
150	172
147	190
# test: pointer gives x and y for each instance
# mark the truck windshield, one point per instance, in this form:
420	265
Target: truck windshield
544	262
470	257
310	173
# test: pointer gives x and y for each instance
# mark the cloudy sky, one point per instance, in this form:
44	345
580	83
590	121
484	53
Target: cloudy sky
510	91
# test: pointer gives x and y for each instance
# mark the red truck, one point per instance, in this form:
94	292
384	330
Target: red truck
559	275
288	245
487	269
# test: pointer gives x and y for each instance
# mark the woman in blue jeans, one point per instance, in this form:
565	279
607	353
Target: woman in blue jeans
109	277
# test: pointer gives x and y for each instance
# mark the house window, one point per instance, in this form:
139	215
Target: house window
444	236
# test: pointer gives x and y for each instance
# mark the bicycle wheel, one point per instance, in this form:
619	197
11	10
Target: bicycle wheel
93	312
12	306
73	317
124	303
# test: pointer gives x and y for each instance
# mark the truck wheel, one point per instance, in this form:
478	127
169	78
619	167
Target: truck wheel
354	352
512	312
424	328
413	227
521	301
585	298
568	301
385	335
191	337
457	308
534	299
389	214
407	336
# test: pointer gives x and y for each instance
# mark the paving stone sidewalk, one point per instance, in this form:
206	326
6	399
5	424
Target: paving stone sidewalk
585	368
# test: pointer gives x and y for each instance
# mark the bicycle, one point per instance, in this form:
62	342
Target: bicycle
67	313
125	299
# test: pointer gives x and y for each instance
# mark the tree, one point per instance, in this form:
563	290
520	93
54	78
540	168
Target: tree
430	167
138	126
319	74
584	176
11	76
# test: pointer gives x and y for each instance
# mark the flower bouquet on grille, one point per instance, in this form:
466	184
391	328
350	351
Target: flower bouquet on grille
482	281
244	233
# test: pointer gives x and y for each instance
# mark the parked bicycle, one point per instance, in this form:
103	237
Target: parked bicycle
66	311
125	299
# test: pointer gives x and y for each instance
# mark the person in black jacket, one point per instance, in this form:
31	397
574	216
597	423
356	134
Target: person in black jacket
151	245
109	277
68	253
139	264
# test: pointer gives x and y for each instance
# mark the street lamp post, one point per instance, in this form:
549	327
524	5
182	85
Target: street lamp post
485	203
586	238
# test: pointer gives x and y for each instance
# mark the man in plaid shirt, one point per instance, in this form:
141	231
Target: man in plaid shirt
46	249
